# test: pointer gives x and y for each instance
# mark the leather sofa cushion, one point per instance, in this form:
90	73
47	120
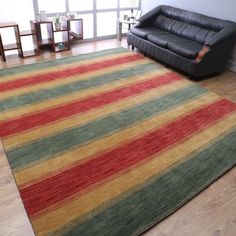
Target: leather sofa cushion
143	32
185	48
163	38
175	43
186	30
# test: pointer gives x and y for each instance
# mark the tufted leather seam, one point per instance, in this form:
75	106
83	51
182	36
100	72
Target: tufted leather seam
197	34
206	36
211	28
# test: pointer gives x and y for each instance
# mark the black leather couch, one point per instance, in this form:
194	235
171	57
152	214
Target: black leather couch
190	42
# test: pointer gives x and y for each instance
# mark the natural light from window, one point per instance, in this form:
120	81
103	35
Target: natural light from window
80	5
106	4
52	6
99	16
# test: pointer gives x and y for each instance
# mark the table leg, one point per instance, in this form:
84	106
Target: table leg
119	33
129	26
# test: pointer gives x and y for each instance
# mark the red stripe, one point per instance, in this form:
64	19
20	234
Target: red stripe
57	188
76	107
37	79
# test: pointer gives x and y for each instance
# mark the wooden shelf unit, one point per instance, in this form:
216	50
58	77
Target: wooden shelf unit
33	36
63	44
72	29
50	41
7	47
75	27
43	42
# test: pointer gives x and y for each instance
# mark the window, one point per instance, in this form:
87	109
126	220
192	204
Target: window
106	4
80	5
99	16
52	6
88	25
129	3
106	23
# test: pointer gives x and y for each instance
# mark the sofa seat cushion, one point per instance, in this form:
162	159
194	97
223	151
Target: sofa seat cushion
162	39
186	48
143	32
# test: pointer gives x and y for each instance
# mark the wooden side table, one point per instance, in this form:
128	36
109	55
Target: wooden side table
15	46
129	23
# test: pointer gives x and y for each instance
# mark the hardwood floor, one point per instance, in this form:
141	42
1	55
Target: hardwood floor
212	212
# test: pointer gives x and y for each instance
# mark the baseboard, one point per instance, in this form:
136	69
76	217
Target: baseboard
232	66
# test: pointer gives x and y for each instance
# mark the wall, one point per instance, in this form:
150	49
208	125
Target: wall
217	8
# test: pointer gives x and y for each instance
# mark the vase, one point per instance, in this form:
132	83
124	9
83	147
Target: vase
57	26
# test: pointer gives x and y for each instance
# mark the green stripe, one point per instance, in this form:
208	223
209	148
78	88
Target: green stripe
66	60
67	140
160	196
44	94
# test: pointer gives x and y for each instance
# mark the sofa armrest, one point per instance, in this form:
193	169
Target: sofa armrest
225	34
202	53
148	18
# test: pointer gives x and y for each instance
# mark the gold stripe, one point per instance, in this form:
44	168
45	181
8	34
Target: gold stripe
35	173
70	122
77	207
70	79
61	67
14	113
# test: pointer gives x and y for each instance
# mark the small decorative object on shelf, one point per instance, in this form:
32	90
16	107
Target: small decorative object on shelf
71	15
61	46
132	14
57	22
43	16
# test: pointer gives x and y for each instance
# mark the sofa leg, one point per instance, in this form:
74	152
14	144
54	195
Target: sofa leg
132	47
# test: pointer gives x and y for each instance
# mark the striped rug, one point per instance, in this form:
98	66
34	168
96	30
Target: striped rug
110	143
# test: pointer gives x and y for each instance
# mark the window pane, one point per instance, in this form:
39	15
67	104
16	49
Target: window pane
58	37
80	5
8	35
106	4
106	23
52	6
129	3
27	43
87	25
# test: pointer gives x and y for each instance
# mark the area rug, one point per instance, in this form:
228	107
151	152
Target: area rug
110	143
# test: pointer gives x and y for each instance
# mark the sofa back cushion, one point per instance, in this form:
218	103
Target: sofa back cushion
186	30
190	25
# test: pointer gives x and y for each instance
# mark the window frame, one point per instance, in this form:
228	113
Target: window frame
93	12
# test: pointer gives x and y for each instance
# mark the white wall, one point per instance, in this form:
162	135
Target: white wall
216	8
21	11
